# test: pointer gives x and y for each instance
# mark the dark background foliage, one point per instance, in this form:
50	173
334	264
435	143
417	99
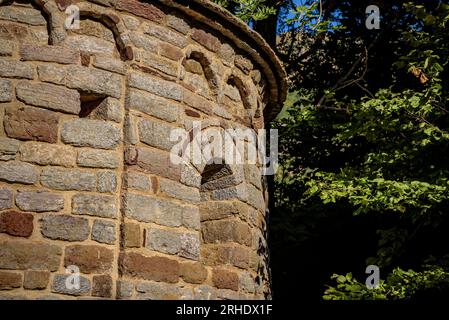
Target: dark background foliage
364	162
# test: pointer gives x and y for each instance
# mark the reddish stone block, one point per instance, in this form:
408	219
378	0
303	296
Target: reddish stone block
16	223
29	123
225	279
149	268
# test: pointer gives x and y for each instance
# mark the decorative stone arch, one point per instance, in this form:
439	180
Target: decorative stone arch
235	80
112	22
54	18
210	72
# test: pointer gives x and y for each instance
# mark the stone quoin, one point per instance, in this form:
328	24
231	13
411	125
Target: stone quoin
86	177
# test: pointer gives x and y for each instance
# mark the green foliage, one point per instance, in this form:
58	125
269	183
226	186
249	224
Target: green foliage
374	143
248	10
400	285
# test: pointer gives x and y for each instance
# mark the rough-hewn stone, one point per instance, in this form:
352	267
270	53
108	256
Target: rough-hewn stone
89	258
93	81
153	161
48	154
225	279
144	10
224	231
8	148
103	231
247	282
10	280
102	286
108	64
205	292
6	92
94	205
166	35
156	86
6	198
65	285
21	255
19	172
216	210
138	181
107	182
170	51
149	268
190	246
150	209
65	227
90	133
152	105
49	96
159	63
166	241
48	53
191	218
68	179
156	134
26	15
98	159
193	272
15	69
132	237
27	123
36	280
139	207
16	223
243	64
39	201
178	24
125	289
206	39
157	291
227	54
176	190
110	109
7	47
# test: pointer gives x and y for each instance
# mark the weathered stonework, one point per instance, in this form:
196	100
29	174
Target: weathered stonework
86	178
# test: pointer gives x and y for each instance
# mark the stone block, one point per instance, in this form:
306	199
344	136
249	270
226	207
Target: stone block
16	223
21	255
90	133
152	105
8	148
15	69
27	123
63	284
103	231
10	280
49	96
39	201
98	159
107	182
65	227
102	286
18	172
6	90
47	53
48	154
149	268
89	258
225	279
68	179
36	280
94	205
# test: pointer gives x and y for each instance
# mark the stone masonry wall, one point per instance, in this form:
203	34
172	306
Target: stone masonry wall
85	172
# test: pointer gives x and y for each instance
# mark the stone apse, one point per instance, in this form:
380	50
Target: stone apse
87	186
